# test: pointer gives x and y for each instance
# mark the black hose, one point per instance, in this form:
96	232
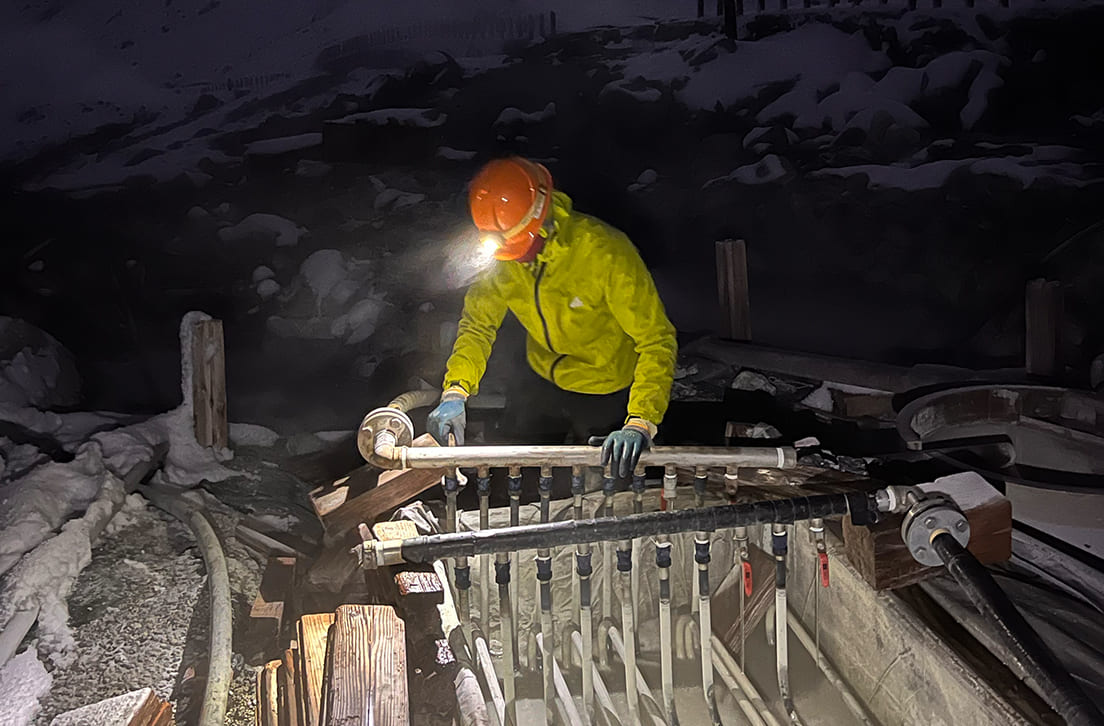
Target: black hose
1036	660
608	529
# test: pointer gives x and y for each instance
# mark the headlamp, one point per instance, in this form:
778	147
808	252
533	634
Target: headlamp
490	242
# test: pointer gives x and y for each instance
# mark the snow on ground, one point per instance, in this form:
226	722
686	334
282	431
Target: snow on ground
23	683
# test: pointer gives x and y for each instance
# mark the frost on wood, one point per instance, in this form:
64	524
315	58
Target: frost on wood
23	683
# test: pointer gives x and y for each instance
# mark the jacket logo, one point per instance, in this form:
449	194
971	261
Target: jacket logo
575	303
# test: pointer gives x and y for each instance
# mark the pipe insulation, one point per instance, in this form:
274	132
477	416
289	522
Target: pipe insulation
606	529
219	671
1051	679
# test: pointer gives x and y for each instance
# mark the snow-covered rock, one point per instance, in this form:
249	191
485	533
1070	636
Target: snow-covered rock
421	118
24	682
511	115
769	169
245	434
267	288
752	381
396	199
451	154
35	369
284	144
266	228
262	272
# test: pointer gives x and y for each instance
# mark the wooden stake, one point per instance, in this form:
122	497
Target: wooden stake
732	289
1044	310
209	385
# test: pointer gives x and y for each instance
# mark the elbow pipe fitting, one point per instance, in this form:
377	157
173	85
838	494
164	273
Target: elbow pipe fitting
383	437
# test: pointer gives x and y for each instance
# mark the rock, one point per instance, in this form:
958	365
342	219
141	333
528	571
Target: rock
752	381
267	288
35	369
262	272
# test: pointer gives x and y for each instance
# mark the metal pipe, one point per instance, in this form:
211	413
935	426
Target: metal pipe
513	489
486	664
816	532
385	433
637	543
606	529
583	571
738	694
607	562
620	647
740	537
546	640
507	634
469	696
1053	682
563	693
720	650
846	693
705	626
483	487
601	693
781	638
666	667
700	474
219	670
628	622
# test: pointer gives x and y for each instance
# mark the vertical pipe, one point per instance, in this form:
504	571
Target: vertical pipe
607	562
663	563
507	634
601	693
513	489
705	625
486	664
700	481
628	625
638	508
569	714
544	580
583	572
781	632
483	487
816	531
460	567
740	537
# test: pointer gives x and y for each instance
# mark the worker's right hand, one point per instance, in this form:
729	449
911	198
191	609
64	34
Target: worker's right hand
449	417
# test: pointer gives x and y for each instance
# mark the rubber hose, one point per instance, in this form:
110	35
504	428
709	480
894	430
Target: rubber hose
411	400
1036	660
219	669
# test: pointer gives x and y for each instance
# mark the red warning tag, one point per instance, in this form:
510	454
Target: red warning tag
823	557
747	578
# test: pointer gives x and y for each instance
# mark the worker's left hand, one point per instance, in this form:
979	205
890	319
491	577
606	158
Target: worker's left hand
622	449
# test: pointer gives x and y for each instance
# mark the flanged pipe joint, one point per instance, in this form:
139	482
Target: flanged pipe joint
928	517
383	433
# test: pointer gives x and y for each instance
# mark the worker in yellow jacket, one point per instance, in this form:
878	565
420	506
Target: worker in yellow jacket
597	331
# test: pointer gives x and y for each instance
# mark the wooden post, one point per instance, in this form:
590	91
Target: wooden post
701	8
367	667
551	22
209	385
732	10
1044	310
732	289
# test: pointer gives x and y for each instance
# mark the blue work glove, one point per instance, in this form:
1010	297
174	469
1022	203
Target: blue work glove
449	417
622	449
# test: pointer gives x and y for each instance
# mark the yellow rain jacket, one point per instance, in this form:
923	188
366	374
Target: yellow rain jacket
595	321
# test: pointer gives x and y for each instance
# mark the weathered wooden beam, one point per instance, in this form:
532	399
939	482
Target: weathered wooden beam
137	708
268	698
209	385
879	554
290	707
1045	307
367	666
266	617
314	633
341	513
732	289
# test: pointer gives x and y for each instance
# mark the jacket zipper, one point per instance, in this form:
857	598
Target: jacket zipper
544	323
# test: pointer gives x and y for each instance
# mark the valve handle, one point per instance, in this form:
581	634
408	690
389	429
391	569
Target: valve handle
823	557
747	579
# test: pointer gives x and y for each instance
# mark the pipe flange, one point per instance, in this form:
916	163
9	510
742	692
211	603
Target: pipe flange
932	515
387	421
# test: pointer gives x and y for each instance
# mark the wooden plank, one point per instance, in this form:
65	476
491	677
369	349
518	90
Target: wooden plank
314	633
732	289
266	617
394	488
1044	310
136	708
880	556
209	385
268	699
293	714
726	609
368	668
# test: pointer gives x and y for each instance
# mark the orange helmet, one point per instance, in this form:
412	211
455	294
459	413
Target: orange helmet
510	200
